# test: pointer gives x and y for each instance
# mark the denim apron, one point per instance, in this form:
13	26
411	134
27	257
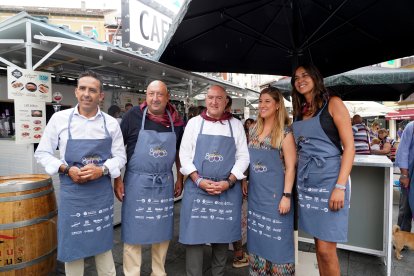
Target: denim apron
269	234
209	218
85	210
319	162
147	208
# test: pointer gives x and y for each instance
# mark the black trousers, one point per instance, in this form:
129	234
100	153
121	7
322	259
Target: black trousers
404	213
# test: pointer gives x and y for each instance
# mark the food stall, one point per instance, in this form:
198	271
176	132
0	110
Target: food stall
28	43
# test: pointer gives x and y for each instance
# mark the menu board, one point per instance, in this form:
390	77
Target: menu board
29	85
30	121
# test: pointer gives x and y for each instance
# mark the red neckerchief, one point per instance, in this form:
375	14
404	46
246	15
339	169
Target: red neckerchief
225	116
164	119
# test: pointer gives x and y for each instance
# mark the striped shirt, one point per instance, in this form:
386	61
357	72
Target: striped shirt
361	139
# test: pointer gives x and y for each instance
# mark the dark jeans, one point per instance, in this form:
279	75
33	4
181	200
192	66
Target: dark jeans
404	213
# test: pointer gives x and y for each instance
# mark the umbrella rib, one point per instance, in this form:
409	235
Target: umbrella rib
323	24
256	32
219	10
264	32
345	23
219	24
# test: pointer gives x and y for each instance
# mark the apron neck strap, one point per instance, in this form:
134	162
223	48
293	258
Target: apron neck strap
70	121
144	116
202	126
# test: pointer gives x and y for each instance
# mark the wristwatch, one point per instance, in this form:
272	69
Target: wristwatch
403	176
105	170
288	195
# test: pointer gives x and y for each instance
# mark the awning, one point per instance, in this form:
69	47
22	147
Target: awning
405	114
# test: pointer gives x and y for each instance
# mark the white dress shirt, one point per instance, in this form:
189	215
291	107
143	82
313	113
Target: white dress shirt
56	134
188	143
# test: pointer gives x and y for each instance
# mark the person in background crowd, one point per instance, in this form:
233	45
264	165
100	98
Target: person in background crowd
361	136
152	133
325	145
405	161
240	258
228	107
375	144
373	131
247	124
128	106
115	111
272	153
214	154
386	146
91	152
399	133
194	111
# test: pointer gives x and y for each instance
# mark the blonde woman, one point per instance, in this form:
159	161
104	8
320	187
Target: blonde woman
272	173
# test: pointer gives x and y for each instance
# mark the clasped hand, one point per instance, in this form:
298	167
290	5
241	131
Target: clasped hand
85	174
212	187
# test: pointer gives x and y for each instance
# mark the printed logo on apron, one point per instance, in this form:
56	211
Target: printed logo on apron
209	218
259	167
148	206
214	157
85	210
158	152
319	162
269	234
93	159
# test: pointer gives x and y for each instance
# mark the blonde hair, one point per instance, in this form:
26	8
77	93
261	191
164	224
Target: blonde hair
383	130
281	118
374	124
375	141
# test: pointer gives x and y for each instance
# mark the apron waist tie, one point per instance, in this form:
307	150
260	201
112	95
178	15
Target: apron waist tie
304	171
156	177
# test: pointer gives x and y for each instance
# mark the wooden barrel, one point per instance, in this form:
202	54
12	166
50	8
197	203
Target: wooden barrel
28	217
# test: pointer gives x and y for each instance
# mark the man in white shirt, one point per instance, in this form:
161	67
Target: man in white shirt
91	152
214	154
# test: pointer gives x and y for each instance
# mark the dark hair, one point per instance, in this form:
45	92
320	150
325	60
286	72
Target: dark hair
229	103
128	104
248	120
114	109
92	74
319	94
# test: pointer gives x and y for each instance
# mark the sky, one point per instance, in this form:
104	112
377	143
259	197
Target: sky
96	4
173	5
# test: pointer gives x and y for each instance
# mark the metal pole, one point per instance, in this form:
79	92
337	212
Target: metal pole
29	64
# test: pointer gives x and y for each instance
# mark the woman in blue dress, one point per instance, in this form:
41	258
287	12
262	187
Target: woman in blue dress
325	145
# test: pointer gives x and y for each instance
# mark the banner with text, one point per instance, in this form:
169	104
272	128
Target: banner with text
30	121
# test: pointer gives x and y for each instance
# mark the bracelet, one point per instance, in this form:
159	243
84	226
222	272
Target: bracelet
198	181
66	170
403	176
231	183
340	187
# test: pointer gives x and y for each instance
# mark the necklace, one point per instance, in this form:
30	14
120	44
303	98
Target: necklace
306	109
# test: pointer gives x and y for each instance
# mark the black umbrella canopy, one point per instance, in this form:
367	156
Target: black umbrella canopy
273	36
365	84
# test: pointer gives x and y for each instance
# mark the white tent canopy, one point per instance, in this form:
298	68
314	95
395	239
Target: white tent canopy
367	108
